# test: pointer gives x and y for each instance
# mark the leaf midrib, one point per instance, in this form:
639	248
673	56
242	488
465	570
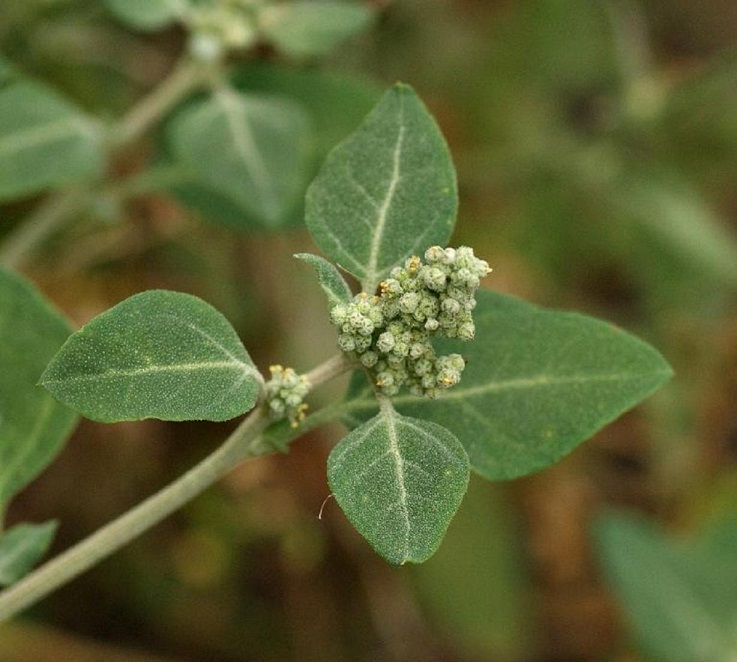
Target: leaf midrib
153	369
37	135
541	381
383	209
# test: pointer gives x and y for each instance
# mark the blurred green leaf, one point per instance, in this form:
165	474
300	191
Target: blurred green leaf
681	222
21	547
387	191
537	384
147	15
331	282
44	141
399	481
309	28
244	156
482	603
158	354
337	103
679	598
33	426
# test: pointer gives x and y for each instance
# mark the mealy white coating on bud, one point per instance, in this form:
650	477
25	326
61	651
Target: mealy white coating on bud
285	393
390	332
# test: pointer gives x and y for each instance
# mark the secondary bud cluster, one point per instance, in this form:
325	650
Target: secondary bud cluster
390	332
285	393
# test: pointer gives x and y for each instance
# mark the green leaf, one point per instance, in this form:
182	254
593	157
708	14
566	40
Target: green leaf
303	29
331	282
147	15
386	192
33	426
251	151
678	596
45	142
337	103
399	481
21	548
536	385
158	354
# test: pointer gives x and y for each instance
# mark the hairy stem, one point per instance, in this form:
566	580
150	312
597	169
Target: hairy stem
241	445
245	442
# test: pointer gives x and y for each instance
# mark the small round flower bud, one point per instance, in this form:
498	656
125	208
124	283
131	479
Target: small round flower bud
408	302
346	342
466	331
369	359
385	342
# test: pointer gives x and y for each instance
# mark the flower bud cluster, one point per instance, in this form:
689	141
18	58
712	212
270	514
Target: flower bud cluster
285	393
390	333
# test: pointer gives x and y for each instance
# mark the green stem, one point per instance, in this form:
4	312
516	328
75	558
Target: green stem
187	76
245	442
20	244
242	444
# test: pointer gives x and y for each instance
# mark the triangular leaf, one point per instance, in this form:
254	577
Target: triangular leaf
386	192
399	481
158	354
21	547
536	385
250	150
33	426
331	282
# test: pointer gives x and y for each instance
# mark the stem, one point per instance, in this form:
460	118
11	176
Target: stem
59	208
245	442
186	77
47	218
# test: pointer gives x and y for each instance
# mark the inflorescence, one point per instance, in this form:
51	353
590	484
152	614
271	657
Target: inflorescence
390	333
285	393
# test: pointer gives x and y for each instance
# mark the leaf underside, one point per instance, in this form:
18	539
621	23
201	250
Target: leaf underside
536	385
158	354
399	481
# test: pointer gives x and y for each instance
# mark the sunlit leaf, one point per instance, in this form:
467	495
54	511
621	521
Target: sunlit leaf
45	141
33	426
399	481
386	192
537	384
147	14
158	354
21	547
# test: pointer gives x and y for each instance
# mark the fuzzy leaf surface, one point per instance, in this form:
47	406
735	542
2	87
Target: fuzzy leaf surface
21	548
386	192
33	426
329	278
399	481
678	595
242	151
45	142
537	384
158	354
304	29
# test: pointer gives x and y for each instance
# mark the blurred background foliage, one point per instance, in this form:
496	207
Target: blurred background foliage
596	144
